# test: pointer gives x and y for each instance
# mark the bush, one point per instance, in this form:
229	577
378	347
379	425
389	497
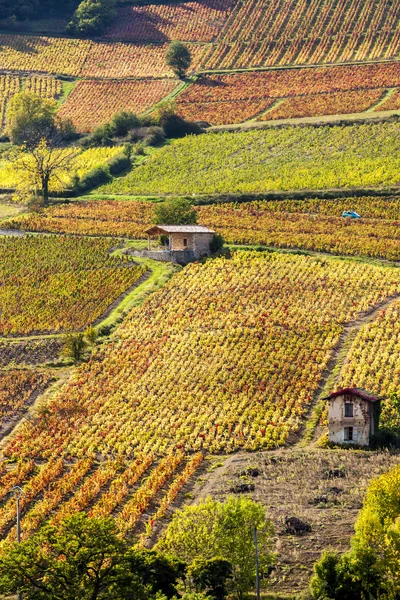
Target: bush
176	127
385	438
150	136
122	122
94	178
216	243
118	163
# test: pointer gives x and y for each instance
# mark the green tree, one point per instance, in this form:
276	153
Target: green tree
224	530
30	118
91	17
175	212
80	560
74	346
178	58
211	576
84	558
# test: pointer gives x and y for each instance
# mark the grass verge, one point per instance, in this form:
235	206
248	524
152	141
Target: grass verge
160	273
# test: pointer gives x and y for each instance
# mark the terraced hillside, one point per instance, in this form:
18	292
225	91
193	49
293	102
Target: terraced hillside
227	35
123	440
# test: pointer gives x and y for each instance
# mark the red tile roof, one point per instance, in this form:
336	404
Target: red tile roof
353	391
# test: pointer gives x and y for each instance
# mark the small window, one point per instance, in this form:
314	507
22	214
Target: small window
185	242
348	409
350	434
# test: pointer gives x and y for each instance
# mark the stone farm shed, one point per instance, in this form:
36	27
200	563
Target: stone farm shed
353	416
185	243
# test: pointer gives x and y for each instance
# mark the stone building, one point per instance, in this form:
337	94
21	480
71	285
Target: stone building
353	416
186	243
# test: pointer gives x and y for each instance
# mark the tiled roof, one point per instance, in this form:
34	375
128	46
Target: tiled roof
178	229
353	391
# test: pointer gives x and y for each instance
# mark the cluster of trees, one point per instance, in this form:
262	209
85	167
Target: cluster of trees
90	16
21	10
208	551
42	148
143	130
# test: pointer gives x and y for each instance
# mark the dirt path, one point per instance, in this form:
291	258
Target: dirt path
321	120
335	364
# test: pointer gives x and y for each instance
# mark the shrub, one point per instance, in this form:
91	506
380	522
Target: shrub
216	243
118	163
122	122
94	178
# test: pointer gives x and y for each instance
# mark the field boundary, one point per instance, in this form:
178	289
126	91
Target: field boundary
320	121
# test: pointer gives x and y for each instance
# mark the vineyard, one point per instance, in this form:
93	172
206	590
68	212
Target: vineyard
124	435
276	33
243	162
59	283
325	104
312	225
86	58
46	87
374	356
187	21
81	165
224	99
18	388
29	352
94	102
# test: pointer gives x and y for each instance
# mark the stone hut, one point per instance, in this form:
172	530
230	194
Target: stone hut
353	416
186	243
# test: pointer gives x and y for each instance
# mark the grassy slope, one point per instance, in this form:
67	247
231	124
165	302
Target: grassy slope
259	161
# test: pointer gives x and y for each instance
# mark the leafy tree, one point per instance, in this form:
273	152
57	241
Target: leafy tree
74	346
30	118
40	168
178	58
211	576
225	530
91	17
84	558
333	579
175	212
81	560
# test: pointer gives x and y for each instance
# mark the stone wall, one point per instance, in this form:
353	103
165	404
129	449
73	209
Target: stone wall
202	243
362	419
177	241
178	257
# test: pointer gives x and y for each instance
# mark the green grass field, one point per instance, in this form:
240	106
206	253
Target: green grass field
293	158
8	210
